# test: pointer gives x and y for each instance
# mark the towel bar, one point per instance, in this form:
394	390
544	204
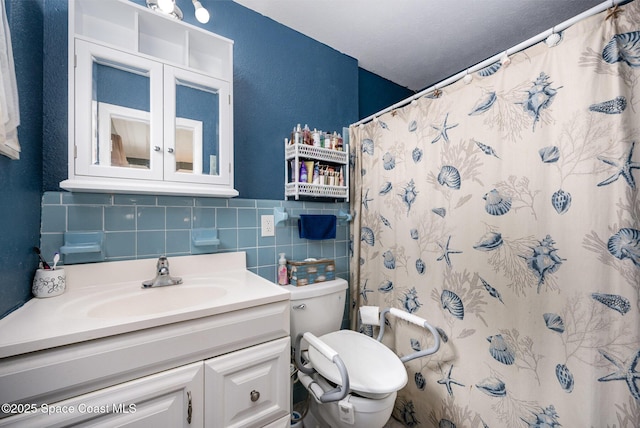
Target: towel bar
280	215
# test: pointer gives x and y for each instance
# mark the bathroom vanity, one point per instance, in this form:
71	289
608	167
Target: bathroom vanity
213	351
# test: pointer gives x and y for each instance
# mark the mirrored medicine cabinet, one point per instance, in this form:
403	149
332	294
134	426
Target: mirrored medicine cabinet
150	103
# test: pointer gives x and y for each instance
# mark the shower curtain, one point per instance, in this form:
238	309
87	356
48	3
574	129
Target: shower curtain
505	211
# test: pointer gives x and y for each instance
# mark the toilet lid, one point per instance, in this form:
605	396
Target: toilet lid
374	370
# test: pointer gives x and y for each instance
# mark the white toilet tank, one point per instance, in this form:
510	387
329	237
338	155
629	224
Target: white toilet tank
317	308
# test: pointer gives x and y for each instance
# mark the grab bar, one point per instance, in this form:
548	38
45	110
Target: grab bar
417	321
337	393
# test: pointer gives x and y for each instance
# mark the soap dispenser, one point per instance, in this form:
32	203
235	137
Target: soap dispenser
282	271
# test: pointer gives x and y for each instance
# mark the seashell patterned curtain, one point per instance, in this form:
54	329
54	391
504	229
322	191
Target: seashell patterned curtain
506	212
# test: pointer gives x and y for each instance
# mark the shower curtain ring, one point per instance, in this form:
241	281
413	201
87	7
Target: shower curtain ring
467	77
553	39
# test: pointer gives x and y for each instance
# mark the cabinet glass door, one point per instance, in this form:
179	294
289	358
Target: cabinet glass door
197	126
119	126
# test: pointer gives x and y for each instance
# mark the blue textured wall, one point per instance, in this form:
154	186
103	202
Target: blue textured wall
376	93
21	181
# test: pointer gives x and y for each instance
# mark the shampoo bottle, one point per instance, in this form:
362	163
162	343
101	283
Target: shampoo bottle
303	173
282	270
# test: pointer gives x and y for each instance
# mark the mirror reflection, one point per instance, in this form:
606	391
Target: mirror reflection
197	128
121	104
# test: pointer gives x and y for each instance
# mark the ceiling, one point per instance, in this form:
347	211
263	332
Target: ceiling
417	43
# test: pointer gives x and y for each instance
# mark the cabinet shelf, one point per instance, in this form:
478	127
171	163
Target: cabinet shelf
298	153
316	153
316	190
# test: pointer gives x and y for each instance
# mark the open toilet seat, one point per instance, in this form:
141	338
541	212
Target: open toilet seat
374	370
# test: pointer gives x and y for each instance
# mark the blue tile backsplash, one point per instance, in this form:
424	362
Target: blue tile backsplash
146	226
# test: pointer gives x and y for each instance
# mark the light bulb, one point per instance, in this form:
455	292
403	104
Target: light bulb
202	14
166	5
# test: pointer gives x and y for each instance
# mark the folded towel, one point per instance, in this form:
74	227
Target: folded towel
314	226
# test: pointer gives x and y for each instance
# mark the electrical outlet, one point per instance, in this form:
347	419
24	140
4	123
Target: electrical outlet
268	226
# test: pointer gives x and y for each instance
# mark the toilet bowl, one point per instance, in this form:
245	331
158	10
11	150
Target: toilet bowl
352	379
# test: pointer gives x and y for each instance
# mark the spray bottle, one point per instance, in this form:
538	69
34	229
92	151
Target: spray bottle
282	270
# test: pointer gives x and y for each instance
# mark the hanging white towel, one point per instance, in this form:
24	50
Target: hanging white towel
9	108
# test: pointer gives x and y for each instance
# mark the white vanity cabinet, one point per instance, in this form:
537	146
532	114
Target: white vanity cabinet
164	399
150	103
246	388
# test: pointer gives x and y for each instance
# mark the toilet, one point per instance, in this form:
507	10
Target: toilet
352	378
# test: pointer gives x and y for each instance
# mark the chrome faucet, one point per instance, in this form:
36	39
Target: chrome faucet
163	277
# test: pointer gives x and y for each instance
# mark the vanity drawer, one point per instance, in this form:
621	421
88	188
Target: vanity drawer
245	388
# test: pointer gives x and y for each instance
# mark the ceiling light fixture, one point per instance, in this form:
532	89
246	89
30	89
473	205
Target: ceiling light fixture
167	7
202	14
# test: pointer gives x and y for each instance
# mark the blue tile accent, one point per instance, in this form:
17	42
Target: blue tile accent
247	238
247	218
210	202
175	201
50	244
119	218
283	234
54	218
146	226
242	203
228	239
267	256
178	218
120	245
227	217
178	242
150	218
314	249
86	198
299	252
265	240
268	273
134	200
204	217
150	243
327	249
252	257
84	217
51	198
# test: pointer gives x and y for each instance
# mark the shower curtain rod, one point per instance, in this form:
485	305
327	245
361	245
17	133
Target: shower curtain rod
527	43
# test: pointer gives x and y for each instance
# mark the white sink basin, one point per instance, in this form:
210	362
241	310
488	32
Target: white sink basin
155	301
130	300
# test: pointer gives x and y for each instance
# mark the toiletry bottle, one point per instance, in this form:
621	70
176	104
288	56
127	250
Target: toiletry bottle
282	271
303	173
306	135
297	135
316	173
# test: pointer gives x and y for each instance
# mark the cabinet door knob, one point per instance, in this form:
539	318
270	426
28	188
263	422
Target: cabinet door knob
170	149
255	395
156	148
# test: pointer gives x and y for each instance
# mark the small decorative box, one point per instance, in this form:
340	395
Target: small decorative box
311	271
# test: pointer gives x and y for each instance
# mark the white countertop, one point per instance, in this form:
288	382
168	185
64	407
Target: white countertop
104	299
